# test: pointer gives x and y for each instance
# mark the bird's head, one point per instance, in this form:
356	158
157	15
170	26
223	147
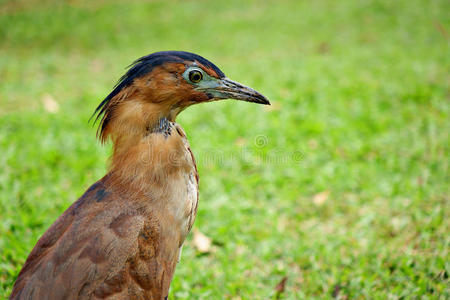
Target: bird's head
161	85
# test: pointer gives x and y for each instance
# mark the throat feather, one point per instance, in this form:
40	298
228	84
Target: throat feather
163	127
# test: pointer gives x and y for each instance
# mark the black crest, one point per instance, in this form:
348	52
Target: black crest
143	66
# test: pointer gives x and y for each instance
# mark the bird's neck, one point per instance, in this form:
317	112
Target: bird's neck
133	120
143	142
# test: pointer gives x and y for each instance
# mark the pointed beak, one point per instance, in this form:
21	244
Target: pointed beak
228	89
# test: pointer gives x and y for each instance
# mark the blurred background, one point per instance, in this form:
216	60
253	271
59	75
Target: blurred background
338	190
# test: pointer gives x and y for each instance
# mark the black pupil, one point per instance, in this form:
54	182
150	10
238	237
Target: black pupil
196	76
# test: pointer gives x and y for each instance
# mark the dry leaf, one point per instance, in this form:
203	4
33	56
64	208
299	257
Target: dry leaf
281	286
240	250
201	242
320	198
240	141
97	65
313	144
50	104
323	48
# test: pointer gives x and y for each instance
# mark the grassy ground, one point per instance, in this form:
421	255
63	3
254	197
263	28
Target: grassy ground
341	186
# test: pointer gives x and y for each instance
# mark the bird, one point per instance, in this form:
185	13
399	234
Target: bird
122	238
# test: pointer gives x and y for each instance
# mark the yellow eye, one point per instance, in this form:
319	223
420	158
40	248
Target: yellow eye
195	76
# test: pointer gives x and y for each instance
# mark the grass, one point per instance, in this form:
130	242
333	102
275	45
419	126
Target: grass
342	186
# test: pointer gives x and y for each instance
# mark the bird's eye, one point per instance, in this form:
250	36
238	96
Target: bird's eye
195	76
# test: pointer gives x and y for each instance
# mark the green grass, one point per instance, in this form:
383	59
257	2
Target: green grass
360	113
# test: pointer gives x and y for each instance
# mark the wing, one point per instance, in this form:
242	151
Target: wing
101	246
